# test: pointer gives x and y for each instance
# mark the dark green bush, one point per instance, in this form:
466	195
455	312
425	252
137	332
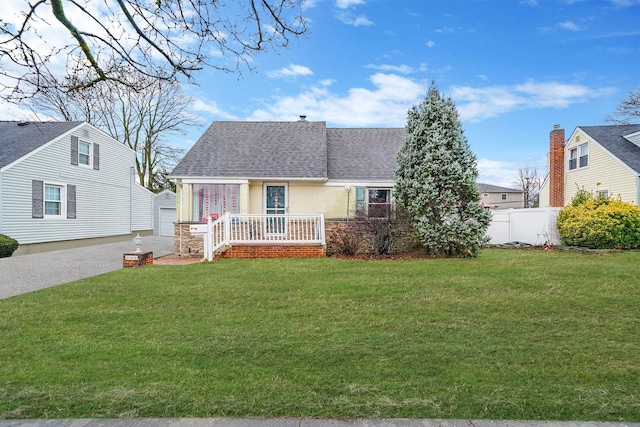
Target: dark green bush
599	223
7	246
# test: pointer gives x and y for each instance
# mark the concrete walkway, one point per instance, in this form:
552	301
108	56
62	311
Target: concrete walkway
298	422
27	273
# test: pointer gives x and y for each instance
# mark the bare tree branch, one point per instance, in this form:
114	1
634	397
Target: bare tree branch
628	111
164	39
529	182
144	120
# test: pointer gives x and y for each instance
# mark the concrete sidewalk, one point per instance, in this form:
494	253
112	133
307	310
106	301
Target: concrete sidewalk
27	273
297	422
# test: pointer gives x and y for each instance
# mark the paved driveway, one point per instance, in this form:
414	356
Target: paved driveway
27	273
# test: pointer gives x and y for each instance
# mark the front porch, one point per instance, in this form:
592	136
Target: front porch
253	236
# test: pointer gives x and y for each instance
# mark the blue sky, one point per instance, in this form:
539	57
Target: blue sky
513	68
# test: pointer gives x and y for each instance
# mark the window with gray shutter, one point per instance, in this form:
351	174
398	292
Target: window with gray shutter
71	201
74	150
96	156
37	199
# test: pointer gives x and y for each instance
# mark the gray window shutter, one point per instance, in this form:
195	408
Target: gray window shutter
74	150
71	201
360	200
37	199
96	156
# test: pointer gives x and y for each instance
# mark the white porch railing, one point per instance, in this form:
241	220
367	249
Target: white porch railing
232	229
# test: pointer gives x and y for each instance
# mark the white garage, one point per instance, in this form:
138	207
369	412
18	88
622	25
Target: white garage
164	213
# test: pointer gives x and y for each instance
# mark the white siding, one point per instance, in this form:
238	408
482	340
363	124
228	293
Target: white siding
543	196
604	172
103	196
142	204
1	232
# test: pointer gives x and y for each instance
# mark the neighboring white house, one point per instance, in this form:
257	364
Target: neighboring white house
64	182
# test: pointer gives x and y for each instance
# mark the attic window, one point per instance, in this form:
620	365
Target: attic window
579	157
85	153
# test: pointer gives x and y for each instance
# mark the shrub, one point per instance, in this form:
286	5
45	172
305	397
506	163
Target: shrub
7	246
600	223
373	236
343	241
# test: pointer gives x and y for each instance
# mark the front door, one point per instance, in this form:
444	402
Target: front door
275	196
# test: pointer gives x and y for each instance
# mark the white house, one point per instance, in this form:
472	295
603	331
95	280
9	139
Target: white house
62	183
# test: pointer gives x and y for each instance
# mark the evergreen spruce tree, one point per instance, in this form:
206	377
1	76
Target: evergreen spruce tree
436	180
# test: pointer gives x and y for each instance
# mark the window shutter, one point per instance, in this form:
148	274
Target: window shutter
74	150
96	156
37	199
71	201
360	200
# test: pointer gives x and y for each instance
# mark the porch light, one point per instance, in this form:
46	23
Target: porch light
138	242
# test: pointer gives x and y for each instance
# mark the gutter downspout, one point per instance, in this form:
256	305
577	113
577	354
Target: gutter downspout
131	200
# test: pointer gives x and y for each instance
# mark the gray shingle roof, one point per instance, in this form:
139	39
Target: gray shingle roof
612	138
258	150
363	154
488	188
292	150
17	139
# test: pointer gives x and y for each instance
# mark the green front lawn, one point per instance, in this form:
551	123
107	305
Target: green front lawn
509	335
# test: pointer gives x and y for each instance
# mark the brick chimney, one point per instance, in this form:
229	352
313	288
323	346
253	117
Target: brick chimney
556	167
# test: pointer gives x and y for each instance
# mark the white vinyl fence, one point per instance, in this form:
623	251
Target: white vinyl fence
535	226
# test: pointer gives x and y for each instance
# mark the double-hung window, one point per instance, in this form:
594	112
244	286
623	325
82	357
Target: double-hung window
379	203
51	200
84	153
579	157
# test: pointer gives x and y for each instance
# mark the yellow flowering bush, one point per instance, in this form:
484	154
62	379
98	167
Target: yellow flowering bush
600	223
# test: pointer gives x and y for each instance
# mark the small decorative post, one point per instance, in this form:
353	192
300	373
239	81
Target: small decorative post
138	242
137	258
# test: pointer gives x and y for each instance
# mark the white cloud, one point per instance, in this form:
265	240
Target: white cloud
345	4
210	107
357	21
431	43
308	4
385	105
403	69
569	25
14	112
293	70
499	173
476	104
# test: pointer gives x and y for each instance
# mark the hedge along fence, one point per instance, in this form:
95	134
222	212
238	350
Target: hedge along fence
600	223
535	226
7	246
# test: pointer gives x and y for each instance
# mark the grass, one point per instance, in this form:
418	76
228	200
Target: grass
509	335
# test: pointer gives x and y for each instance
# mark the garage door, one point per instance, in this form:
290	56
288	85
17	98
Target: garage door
167	217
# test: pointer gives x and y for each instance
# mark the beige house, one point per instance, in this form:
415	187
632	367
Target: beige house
602	159
253	170
496	197
287	167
